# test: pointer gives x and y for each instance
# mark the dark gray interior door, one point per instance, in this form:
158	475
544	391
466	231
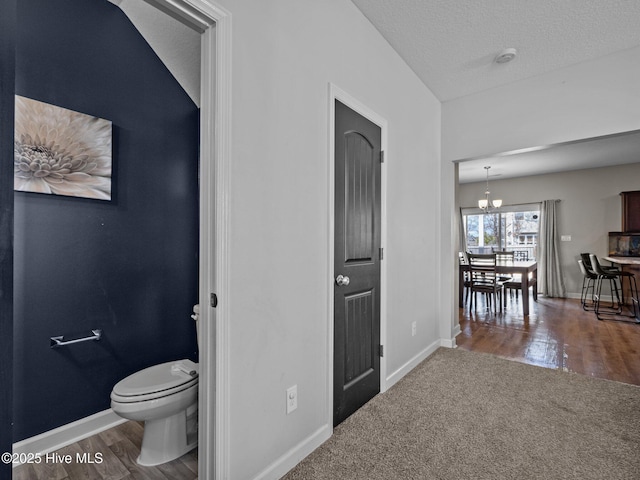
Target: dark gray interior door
357	261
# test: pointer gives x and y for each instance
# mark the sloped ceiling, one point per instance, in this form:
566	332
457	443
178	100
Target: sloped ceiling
177	45
451	45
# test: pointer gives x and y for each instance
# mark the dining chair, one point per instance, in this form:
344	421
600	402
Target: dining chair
466	278
521	255
512	283
484	279
515	286
504	257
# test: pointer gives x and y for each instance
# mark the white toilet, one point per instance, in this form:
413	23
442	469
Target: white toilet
165	397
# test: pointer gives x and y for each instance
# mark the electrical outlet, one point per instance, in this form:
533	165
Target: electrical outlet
565	238
414	328
292	399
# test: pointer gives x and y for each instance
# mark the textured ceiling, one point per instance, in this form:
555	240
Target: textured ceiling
451	44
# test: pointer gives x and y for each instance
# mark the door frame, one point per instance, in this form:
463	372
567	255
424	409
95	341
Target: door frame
213	22
336	93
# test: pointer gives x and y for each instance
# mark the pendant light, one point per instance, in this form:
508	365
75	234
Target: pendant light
485	203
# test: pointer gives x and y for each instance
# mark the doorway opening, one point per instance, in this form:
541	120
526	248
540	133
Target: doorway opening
214	24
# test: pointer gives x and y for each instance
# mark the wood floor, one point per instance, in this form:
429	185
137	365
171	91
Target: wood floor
119	447
557	334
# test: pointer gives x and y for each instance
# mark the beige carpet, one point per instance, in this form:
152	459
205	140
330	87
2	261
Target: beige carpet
465	415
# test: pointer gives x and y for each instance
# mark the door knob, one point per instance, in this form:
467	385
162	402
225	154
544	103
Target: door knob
342	280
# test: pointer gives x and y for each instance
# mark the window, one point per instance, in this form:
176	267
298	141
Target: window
511	228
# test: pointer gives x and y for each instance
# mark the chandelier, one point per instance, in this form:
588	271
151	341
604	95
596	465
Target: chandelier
486	204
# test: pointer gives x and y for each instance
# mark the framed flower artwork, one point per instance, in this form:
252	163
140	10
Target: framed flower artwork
61	152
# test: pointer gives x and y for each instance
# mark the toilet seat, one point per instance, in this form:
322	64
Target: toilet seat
155	382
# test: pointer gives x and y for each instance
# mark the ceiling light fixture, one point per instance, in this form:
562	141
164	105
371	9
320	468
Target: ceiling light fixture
484	203
506	55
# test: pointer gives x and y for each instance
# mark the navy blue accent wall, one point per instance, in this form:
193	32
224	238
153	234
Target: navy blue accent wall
7	55
127	266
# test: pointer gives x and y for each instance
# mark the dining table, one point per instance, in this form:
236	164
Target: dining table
527	269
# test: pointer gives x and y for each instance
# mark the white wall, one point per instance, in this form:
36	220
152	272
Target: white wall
285	54
586	100
590	208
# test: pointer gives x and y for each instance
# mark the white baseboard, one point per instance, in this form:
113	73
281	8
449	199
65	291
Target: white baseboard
448	342
57	438
456	330
451	342
603	298
411	364
294	456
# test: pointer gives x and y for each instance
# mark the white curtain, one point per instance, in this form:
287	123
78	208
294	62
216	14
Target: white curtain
550	281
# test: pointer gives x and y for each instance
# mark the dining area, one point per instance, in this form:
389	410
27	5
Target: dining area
494	276
556	331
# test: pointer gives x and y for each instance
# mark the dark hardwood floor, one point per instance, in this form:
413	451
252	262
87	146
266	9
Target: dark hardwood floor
557	334
119	447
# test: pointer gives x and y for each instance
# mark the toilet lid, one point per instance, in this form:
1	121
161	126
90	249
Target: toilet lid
156	378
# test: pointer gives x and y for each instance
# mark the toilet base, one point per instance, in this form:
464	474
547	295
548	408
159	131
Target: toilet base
166	439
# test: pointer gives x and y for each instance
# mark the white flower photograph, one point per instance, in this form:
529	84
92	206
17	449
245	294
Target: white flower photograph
61	152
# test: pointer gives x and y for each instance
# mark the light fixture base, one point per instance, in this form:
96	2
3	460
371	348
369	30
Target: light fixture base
506	55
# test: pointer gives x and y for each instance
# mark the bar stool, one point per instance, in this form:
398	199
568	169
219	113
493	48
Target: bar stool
589	279
615	277
586	260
